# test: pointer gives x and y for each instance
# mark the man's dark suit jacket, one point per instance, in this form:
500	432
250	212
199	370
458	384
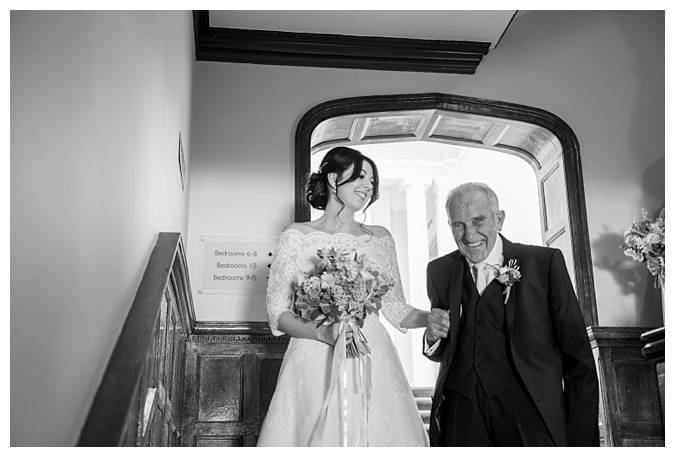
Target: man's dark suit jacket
546	335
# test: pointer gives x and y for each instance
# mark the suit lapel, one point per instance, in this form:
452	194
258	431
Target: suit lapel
510	252
455	295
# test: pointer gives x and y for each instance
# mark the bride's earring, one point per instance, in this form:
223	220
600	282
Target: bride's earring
332	184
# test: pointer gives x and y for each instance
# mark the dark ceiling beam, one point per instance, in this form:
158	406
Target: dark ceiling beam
334	51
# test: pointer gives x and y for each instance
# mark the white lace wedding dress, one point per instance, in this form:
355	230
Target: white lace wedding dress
300	413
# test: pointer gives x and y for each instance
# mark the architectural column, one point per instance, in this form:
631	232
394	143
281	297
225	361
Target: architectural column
418	241
444	240
423	371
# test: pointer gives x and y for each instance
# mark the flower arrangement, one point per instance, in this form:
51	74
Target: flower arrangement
645	241
343	286
508	276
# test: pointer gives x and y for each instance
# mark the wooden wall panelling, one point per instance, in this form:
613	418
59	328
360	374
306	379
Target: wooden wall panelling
231	372
654	350
630	406
160	388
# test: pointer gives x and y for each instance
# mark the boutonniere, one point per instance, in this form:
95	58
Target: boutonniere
508	276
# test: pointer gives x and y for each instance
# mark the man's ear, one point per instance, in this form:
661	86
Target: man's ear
501	215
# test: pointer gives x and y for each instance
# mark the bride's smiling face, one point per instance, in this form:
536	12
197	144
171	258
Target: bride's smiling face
356	194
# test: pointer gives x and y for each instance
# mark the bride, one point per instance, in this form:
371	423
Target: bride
361	401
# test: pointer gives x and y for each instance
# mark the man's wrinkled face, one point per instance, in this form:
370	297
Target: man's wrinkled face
475	225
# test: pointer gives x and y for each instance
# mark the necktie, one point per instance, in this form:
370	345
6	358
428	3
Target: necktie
480	275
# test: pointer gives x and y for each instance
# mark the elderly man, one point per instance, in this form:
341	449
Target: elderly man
505	324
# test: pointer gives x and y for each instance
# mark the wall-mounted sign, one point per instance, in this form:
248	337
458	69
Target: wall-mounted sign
181	161
235	265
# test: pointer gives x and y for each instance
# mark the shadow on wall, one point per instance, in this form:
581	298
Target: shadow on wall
654	186
632	277
609	256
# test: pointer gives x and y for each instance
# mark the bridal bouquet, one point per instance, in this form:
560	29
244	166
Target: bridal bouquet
645	241
343	287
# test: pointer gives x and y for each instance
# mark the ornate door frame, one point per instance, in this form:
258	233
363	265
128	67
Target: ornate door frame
542	139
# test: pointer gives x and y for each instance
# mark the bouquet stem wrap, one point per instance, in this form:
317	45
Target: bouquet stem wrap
348	397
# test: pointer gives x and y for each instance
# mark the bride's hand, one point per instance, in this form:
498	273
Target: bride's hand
329	333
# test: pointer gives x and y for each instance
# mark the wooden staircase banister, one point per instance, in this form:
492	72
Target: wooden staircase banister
117	395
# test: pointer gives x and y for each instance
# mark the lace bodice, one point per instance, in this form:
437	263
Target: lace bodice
296	252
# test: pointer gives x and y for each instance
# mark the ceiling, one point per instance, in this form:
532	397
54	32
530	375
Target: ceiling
447	25
434	41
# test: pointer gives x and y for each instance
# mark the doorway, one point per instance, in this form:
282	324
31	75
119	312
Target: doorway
439	129
415	178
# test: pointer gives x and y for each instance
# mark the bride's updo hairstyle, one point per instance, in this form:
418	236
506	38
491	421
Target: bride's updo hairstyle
338	160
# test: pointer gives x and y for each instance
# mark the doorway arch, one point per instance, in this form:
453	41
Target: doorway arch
542	139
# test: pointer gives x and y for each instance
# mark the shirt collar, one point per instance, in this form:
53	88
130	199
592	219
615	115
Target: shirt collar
495	257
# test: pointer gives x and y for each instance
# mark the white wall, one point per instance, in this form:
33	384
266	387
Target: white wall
97	103
602	72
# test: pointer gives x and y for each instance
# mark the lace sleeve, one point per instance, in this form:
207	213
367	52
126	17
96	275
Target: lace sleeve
394	306
280	284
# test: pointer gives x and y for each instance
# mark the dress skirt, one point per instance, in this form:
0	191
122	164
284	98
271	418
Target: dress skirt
374	406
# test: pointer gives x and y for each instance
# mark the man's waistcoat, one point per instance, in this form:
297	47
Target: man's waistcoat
482	347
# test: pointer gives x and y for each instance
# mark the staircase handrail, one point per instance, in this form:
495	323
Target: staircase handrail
106	421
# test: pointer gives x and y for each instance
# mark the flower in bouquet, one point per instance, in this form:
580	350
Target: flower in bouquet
342	286
645	241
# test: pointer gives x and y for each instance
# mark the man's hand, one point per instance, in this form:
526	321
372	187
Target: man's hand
438	325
